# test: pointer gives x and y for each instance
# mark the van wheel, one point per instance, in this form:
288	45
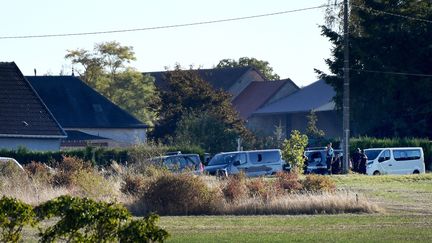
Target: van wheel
416	172
376	173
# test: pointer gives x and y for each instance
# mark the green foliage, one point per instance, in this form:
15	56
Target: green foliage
262	66
293	150
383	104
105	70
314	134
187	92
369	142
318	183
81	220
143	230
206	131
14	215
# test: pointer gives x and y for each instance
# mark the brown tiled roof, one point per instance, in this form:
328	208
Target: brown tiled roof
256	95
22	112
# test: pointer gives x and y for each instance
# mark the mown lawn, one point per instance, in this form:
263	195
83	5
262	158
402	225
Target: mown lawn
407	217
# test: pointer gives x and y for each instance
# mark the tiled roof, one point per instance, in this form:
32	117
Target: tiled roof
76	105
316	96
78	135
219	78
256	95
22	112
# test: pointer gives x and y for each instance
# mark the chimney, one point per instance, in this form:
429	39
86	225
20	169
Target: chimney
34	71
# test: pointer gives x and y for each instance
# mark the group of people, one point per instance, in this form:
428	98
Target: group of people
334	163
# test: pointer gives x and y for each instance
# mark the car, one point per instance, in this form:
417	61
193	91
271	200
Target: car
252	163
403	160
4	161
316	162
180	162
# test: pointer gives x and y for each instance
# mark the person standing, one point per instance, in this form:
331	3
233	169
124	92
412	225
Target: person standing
329	157
363	162
356	159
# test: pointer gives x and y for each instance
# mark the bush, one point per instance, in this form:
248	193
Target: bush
67	169
235	188
293	150
14	215
179	194
260	188
39	172
318	183
288	182
81	220
134	185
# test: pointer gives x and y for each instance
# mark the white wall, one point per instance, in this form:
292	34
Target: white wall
34	144
123	136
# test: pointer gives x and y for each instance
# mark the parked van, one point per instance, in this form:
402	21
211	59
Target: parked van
409	160
178	162
316	162
252	163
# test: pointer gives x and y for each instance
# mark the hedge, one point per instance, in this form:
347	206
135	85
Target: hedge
98	156
369	142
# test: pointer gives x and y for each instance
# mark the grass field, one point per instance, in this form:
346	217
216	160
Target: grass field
407	217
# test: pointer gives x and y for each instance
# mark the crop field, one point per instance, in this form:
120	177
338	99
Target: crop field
406	217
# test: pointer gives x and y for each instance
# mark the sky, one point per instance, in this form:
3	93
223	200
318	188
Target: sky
291	43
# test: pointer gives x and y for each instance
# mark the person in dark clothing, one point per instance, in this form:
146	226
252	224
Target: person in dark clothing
336	167
362	164
356	159
329	157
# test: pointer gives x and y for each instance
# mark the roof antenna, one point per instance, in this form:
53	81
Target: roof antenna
34	71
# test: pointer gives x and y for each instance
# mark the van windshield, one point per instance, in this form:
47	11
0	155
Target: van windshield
373	153
222	159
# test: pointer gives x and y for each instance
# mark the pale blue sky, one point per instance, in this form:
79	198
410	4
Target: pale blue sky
291	42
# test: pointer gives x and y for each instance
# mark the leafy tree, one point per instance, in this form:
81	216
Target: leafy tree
262	66
293	150
14	215
312	130
205	130
105	69
383	103
188	92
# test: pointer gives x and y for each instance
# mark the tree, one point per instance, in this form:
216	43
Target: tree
312	131
385	49
262	66
205	130
293	150
105	69
187	92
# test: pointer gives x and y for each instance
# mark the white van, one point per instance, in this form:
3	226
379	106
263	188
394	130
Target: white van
252	163
408	160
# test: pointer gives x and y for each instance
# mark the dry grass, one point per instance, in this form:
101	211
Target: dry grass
305	203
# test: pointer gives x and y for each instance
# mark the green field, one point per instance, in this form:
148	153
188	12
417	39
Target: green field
407	217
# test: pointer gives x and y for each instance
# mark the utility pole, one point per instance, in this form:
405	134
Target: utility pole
346	109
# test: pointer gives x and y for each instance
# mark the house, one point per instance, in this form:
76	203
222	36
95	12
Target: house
25	121
258	94
232	80
291	112
87	116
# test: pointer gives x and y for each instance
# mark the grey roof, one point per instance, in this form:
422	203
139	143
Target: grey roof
78	135
76	105
316	96
22	112
219	78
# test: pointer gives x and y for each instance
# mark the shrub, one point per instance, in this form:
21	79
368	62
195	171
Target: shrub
235	189
39	172
317	183
260	188
133	185
179	194
67	168
293	150
143	230
288	182
81	220
14	215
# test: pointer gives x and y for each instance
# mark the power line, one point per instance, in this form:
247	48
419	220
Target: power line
163	26
392	14
392	73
